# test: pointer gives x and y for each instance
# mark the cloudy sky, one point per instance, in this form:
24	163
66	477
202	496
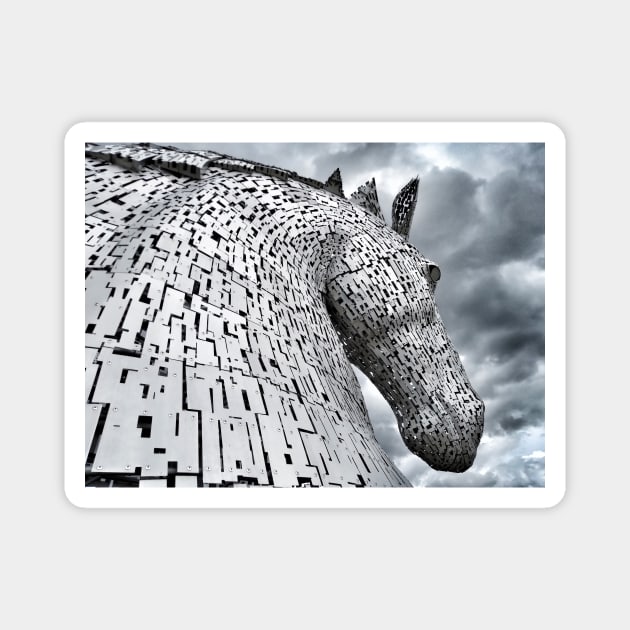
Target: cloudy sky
480	216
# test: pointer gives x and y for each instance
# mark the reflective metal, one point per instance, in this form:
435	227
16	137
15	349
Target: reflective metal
225	302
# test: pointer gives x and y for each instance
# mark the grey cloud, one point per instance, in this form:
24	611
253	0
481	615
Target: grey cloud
472	479
447	216
359	160
514	406
497	157
479	222
491	316
515	219
516	474
514	423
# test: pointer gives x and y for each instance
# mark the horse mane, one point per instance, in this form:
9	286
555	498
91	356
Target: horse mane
193	163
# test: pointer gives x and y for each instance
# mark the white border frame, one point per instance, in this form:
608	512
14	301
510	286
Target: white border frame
555	306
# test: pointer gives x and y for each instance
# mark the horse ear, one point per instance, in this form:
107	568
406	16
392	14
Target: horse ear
366	197
403	207
334	183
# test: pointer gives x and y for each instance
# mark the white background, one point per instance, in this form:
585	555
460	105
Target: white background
74	289
483	61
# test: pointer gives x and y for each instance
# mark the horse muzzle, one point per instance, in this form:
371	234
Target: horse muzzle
446	436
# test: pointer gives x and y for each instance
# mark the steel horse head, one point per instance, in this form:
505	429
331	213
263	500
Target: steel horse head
226	302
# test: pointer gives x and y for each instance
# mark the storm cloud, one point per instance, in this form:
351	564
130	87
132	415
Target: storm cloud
480	217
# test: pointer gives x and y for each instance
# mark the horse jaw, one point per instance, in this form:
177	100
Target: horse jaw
419	373
439	414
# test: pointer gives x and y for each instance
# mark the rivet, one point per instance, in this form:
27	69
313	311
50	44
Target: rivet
127	467
170	415
207	467
148	467
115	408
275	471
146	368
99	467
230	469
94	407
109	363
189	467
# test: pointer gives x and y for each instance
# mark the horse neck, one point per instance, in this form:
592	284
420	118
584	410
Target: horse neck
227	331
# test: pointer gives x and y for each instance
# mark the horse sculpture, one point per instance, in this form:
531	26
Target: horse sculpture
225	303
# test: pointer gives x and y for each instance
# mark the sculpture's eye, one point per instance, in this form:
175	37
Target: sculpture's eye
434	272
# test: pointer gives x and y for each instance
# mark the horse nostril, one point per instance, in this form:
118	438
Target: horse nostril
434	273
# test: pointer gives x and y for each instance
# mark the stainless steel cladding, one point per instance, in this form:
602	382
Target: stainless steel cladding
225	304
